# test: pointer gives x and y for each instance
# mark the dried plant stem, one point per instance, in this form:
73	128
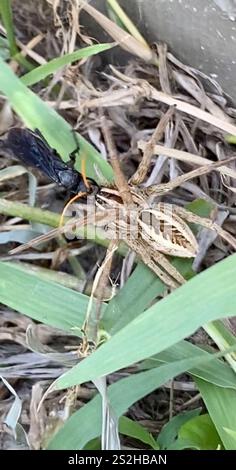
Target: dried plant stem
163	69
92	319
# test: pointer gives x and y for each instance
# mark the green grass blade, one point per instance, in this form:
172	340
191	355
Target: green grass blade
130	301
6	13
216	371
142	287
43	71
207	297
122	395
4	49
126	22
44	301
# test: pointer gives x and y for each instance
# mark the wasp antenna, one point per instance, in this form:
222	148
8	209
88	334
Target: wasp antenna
83	172
73	199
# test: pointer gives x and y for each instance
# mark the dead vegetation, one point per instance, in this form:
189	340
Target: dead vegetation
167	130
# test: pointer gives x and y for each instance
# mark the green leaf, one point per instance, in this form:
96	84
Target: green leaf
142	287
37	114
231	139
201	207
183	444
41	72
130	301
215	371
164	324
44	301
231	433
170	431
201	431
131	428
94	444
221	406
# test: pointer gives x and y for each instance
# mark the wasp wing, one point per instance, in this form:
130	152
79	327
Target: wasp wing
32	149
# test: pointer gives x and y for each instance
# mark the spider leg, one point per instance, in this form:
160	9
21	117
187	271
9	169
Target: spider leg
164	263
207	223
144	165
142	252
120	180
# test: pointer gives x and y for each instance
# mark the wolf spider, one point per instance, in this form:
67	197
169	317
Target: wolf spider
168	233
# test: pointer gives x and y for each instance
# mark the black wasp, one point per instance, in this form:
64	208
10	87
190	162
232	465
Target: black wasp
33	150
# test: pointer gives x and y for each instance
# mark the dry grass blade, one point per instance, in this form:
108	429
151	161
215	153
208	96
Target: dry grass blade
191	110
187	157
206	238
163	70
142	89
38	418
189	84
124	39
27	50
